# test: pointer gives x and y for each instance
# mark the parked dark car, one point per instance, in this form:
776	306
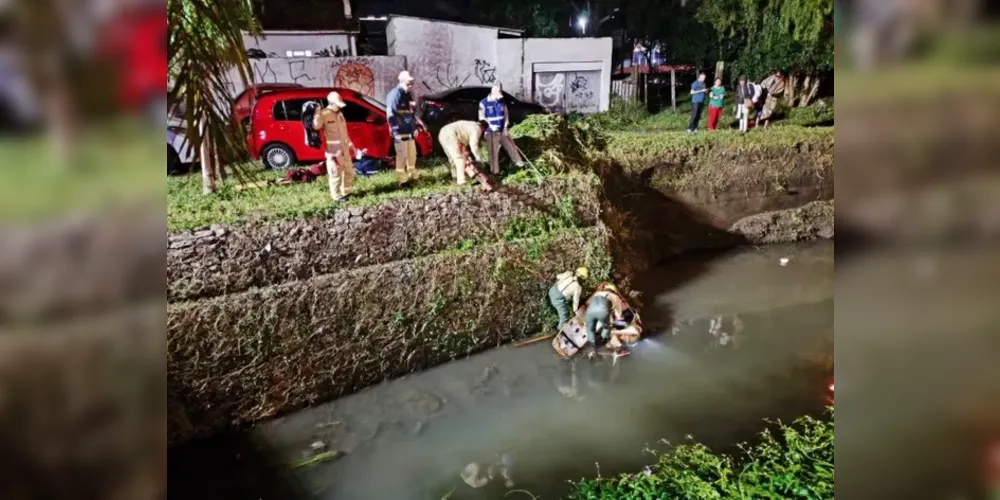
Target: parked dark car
462	103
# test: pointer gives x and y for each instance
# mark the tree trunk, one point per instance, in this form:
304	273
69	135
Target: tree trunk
809	91
673	88
719	67
220	169
206	156
806	82
790	85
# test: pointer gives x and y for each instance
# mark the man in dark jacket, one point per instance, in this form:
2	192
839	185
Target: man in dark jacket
403	126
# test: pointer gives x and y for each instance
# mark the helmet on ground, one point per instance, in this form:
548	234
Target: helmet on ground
583	272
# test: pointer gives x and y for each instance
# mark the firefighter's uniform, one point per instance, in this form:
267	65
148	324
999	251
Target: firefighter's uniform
457	140
339	168
403	126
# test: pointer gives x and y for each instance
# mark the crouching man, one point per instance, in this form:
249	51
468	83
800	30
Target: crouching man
459	140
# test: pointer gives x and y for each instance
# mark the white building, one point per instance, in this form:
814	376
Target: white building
568	74
565	74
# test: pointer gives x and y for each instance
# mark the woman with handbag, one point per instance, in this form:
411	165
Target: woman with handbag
745	105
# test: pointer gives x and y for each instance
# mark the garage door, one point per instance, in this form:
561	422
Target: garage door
568	91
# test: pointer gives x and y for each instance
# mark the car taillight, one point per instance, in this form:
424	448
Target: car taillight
433	104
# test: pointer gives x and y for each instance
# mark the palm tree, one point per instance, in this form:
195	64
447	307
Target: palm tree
205	41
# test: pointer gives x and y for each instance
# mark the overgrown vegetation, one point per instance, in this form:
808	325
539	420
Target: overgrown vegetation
791	461
243	357
187	208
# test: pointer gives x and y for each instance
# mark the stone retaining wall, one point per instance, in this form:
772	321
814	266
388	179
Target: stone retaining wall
221	260
243	357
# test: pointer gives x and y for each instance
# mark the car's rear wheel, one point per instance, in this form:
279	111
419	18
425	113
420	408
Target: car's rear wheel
277	156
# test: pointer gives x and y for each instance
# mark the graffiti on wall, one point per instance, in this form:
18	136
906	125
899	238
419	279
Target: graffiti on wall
581	95
356	74
549	89
568	91
371	76
485	72
449	76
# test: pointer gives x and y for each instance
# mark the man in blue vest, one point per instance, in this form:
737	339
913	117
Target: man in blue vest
402	126
493	111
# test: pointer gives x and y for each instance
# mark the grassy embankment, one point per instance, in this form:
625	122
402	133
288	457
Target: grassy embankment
626	134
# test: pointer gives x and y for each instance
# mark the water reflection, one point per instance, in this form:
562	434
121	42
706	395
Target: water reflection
536	420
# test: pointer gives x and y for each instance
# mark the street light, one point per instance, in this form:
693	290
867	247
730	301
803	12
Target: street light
581	21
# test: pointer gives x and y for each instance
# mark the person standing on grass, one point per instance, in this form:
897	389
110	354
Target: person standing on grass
698	91
493	111
716	96
339	168
744	102
402	125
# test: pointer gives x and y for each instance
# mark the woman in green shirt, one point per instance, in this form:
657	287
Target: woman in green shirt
715	97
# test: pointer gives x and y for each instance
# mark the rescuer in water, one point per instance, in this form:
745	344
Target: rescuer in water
606	311
403	126
567	291
339	168
493	111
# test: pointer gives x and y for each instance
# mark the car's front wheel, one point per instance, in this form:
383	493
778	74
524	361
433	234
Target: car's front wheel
277	156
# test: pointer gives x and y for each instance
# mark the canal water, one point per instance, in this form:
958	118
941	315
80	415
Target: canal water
737	337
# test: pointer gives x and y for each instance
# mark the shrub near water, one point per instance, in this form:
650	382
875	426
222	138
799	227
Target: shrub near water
557	144
796	463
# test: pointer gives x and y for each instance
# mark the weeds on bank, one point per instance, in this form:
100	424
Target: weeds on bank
188	208
625	135
794	461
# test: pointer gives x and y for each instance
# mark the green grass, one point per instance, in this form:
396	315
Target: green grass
631	147
188	208
633	117
635	138
115	165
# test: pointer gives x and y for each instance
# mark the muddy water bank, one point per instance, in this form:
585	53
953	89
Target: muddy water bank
738	336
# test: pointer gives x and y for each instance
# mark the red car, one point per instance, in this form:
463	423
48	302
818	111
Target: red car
278	139
136	38
243	103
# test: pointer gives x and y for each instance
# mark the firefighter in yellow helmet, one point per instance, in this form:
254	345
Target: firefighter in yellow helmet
567	291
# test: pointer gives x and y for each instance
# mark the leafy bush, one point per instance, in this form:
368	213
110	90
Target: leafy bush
621	114
558	144
816	114
797	463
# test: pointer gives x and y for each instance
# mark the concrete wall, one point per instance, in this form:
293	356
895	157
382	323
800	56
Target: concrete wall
442	55
566	74
318	43
372	76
